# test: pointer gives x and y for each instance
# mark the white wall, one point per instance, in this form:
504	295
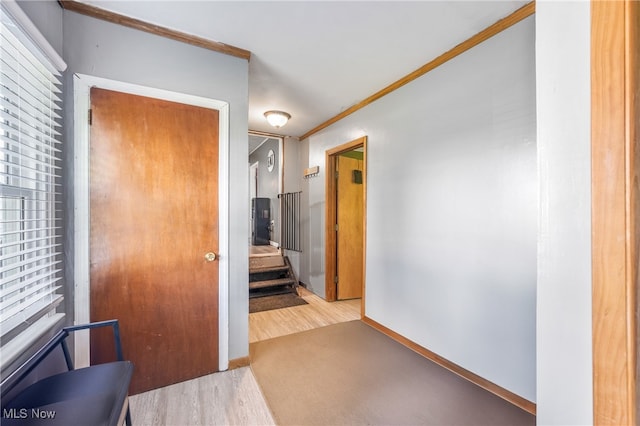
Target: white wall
102	49
451	209
564	355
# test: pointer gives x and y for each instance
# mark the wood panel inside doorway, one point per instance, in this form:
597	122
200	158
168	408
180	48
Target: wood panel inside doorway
332	244
350	224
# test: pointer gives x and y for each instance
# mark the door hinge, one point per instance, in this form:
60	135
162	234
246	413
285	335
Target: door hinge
337	174
90	117
335	279
336	227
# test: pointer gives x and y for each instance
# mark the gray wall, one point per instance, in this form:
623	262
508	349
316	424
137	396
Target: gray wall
269	181
564	383
564	356
451	209
102	49
47	16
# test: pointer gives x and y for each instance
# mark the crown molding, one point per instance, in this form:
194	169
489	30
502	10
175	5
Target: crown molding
105	15
499	26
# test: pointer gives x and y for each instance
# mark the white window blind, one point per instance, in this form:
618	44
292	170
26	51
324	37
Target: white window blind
30	185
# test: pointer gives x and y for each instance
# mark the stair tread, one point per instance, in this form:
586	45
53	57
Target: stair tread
270	292
268	269
271	283
265	262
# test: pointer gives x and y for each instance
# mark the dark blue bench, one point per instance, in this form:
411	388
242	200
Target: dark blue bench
94	395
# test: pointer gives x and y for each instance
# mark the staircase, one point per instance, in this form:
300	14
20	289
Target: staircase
269	275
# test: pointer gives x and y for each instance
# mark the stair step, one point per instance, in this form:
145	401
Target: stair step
271	283
268	269
265	262
270	291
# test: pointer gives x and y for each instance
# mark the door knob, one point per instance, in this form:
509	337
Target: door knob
210	257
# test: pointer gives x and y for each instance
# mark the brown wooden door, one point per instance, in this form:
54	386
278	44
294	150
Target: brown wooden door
154	215
349	214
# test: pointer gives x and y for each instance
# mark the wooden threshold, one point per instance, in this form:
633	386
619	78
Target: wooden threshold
95	12
501	25
503	393
239	362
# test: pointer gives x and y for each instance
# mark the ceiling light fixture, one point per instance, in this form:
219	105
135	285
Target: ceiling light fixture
277	118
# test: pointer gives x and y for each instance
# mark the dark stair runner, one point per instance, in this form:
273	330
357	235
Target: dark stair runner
271	275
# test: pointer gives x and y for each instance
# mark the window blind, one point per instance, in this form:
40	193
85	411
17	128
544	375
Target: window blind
30	184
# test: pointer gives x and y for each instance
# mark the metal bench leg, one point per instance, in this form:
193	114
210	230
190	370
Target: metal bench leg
128	418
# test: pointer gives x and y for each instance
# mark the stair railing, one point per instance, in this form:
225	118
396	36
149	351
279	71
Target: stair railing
290	221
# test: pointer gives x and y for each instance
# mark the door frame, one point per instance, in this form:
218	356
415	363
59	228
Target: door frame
331	247
81	100
615	167
253	192
253	182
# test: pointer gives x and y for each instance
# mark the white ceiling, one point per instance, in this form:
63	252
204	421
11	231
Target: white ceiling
314	59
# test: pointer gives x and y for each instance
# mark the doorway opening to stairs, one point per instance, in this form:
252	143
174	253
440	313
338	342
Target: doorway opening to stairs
269	267
271	275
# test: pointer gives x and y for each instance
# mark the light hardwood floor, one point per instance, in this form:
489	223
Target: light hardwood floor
233	397
227	398
317	313
258	251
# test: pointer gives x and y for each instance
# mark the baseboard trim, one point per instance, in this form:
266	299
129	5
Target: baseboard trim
503	393
238	362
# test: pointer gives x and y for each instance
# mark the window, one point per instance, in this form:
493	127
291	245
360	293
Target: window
31	260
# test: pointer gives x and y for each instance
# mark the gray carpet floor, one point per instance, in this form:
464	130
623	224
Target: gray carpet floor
351	374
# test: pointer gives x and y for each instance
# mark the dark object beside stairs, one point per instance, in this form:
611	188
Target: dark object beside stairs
269	275
94	395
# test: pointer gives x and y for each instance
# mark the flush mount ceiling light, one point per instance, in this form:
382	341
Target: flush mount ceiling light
277	118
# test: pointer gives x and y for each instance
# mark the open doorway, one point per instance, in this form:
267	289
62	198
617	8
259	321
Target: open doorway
346	221
316	312
265	183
